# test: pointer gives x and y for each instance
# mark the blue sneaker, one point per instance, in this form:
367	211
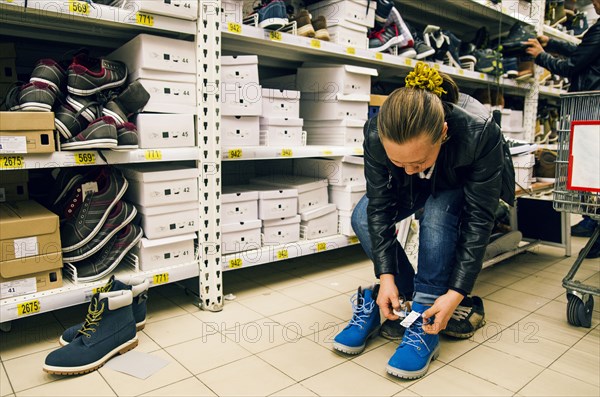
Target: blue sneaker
411	359
364	324
273	15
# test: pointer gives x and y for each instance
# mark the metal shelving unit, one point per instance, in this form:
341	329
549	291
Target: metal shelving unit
270	152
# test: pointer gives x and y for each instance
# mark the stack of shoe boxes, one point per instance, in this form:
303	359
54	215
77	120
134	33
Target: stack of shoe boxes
241	95
8	72
166	197
512	124
232	11
280	124
347	20
13	186
26	132
182	9
240	219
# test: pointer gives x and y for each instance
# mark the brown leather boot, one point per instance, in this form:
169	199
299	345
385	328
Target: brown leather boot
320	26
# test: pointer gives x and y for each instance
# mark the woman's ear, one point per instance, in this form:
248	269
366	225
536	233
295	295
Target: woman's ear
445	132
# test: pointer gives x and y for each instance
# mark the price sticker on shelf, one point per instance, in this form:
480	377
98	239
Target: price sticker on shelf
275	36
408	62
351	50
327	152
11	162
234	153
30	307
235	263
460	71
160	278
153	154
144	19
482	76
358	151
286	153
101	289
353	240
315	43
321	247
234	27
282	254
79	7
379	56
436	66
85	158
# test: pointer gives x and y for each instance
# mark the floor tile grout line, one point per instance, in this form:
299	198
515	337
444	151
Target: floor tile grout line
477	376
106	381
12	389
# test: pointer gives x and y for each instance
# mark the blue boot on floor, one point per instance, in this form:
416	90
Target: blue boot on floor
411	359
363	325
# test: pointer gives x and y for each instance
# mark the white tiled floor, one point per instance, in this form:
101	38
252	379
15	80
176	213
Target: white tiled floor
275	338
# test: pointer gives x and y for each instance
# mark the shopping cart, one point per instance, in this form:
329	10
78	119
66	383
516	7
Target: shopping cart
574	107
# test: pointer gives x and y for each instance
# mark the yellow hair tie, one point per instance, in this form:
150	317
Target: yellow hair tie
426	78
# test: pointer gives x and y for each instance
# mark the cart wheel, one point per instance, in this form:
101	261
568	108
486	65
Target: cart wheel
579	311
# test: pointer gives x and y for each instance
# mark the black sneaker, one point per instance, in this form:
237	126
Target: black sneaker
36	97
468	317
422	49
518	34
392	330
436	39
68	121
87	76
127	137
382	12
50	72
88	106
131	100
101	134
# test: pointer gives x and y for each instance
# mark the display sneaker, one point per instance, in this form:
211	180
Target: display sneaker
467	318
108	258
585	227
109	330
320	27
363	325
304	24
100	134
555	13
87	76
487	61
518	34
382	12
68	121
416	351
526	69
386	38
127	137
453	56
121	215
89	106
396	19
35	97
65	181
511	67
89	205
272	15
131	100
139	290
50	72
422	49
435	39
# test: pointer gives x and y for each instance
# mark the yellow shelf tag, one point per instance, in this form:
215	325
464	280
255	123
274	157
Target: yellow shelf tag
99	290
11	162
321	247
379	56
234	27
408	62
160	278
436	66
25	308
153	154
482	76
79	7
144	19
460	71
85	158
351	50
327	152
286	153
235	263
315	43
353	240
358	151
282	254
275	36
234	153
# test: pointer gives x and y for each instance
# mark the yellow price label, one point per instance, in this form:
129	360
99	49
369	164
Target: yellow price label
379	56
315	43
11	162
321	247
282	254
25	308
234	27
144	19
358	151
327	152
235	263
85	158
482	76
160	278
353	240
461	71
153	154
436	66
351	50
286	153
99	290
79	7
408	62
234	153
275	36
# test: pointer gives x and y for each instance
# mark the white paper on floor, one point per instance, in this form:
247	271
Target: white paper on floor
140	365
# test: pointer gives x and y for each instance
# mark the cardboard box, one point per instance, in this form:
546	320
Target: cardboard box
8	70
323	106
336	80
240	131
338	11
232	11
164	252
286	132
30	275
281	231
157	131
26	132
170	97
339	172
347	132
170	220
238	204
280	103
320	222
241	99
241	69
240	236
183	9
312	192
349	35
13	185
377	100
346	197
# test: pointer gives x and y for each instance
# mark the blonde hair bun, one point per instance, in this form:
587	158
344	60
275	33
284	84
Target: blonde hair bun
426	78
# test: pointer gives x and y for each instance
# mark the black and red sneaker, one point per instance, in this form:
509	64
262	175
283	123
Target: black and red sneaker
87	76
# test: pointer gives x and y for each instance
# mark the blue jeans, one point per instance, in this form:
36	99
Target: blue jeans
438	236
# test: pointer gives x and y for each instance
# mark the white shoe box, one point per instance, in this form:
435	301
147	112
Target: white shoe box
240	236
232	11
238	204
240	131
158	131
182	9
345	223
241	99
280	103
312	192
281	231
339	172
325	106
319	222
524	170
348	34
170	220
152	185
335	80
347	132
276	203
336	11
241	69
512	120
164	252
170	97
346	197
159	58
285	132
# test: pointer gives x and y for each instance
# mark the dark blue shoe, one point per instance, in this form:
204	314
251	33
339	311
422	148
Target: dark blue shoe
109	330
382	12
585	228
273	15
364	324
139	289
411	359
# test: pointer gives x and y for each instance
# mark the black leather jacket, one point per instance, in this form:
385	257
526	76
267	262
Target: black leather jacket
474	158
582	62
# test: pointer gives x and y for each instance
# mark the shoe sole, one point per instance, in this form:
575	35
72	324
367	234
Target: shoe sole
87	113
105	143
125	148
414	374
35	107
355	350
463	336
84	369
513	74
393	42
114	115
306	31
425	54
64	131
322	34
273	23
138	327
77	91
525	77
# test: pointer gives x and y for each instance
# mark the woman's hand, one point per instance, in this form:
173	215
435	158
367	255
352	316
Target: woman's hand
442	309
387	298
543	40
534	47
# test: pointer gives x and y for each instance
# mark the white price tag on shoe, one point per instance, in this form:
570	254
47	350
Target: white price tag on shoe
410	319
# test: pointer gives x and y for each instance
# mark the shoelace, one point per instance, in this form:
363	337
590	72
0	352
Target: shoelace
461	312
361	311
413	336
92	319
